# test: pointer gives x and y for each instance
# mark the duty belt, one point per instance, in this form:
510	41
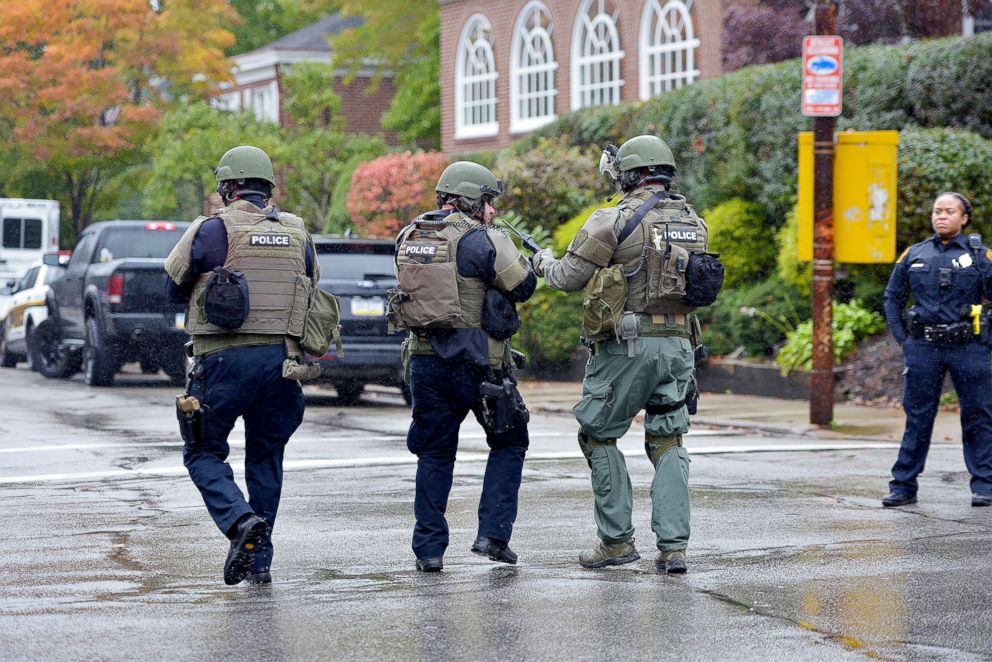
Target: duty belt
634	325
956	333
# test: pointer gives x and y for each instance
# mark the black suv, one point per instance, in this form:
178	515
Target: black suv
359	272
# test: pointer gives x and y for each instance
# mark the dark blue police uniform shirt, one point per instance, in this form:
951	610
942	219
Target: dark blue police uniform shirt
476	259
967	272
209	250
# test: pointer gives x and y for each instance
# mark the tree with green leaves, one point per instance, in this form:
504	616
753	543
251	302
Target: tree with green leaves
264	21
400	38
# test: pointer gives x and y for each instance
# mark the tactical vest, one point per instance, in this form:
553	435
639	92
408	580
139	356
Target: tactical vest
655	255
269	249
431	293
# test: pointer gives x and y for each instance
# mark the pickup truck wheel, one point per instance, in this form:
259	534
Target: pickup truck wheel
99	363
176	368
29	347
349	392
7	358
47	355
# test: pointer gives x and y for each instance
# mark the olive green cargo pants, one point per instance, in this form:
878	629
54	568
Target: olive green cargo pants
615	388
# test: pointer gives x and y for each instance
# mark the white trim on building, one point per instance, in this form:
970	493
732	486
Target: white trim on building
532	70
596	55
475	81
667	48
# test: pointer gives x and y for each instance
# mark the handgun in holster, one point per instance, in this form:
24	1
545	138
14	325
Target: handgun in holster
192	416
699	355
502	406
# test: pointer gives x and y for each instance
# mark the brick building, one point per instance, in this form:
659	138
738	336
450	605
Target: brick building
511	66
258	77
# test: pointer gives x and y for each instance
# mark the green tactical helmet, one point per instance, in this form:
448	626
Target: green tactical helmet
245	162
468	180
644	151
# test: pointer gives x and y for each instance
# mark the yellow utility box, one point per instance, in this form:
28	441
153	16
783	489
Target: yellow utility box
864	197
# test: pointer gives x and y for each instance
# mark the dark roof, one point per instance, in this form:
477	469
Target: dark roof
314	36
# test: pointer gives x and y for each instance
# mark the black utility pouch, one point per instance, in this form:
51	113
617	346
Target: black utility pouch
503	408
225	298
191	414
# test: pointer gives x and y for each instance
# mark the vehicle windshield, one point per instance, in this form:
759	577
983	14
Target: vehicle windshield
138	242
356	262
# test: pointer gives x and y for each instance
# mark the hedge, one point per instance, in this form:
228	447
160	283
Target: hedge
734	136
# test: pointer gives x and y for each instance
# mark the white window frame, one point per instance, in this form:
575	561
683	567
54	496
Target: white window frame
262	102
475	48
667	48
601	64
532	70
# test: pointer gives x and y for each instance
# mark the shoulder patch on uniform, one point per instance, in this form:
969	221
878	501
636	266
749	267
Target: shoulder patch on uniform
903	256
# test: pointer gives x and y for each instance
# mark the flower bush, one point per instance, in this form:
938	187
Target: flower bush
388	192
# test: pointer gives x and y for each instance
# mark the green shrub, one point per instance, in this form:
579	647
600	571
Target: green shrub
735	135
851	323
565	232
756	318
549	184
551	325
797	274
936	160
739	232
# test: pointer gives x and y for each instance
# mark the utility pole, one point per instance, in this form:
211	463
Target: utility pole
821	404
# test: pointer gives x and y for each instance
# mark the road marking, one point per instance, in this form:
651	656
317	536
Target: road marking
240	442
385	461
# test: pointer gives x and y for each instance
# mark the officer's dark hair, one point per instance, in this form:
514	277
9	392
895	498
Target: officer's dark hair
965	205
659	174
466	205
231	188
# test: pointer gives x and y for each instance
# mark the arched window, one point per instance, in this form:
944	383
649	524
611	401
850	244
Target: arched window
596	55
532	70
475	81
668	47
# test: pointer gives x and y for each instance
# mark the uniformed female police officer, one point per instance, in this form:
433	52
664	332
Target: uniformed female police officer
948	275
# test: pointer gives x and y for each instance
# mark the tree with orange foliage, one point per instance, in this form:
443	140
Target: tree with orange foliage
388	192
83	81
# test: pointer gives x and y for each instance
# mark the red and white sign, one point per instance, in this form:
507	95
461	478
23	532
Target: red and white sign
823	75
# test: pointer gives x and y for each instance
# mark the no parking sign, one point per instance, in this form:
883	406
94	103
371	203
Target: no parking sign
823	71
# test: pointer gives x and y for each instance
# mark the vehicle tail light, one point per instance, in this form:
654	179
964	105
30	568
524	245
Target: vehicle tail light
115	289
160	226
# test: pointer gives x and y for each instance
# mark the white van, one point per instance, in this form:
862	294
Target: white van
28	229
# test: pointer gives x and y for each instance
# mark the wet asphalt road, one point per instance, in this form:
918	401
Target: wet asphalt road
109	553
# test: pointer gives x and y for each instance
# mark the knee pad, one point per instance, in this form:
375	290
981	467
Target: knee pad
587	444
656	447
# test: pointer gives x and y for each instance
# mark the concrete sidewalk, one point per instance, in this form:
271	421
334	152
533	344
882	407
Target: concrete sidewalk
770	415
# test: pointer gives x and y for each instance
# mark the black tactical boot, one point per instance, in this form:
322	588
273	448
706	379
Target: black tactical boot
894	499
245	538
495	550
981	500
430	565
264	577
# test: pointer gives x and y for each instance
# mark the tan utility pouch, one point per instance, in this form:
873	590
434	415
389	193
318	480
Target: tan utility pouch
427	297
323	324
605	298
665	276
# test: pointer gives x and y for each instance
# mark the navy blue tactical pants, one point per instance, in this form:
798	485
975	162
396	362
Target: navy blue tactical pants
444	392
925	367
246	382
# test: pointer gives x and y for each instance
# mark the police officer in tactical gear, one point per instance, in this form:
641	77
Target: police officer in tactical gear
241	334
633	259
950	278
459	279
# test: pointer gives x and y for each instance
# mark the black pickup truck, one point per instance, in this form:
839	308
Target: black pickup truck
110	308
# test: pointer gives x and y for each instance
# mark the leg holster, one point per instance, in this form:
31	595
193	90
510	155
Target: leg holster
656	447
587	444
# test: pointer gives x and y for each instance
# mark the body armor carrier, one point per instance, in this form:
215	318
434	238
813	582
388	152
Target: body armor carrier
655	256
268	247
431	293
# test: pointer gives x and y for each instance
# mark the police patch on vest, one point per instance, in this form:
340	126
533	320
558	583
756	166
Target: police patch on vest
269	239
423	253
677	235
